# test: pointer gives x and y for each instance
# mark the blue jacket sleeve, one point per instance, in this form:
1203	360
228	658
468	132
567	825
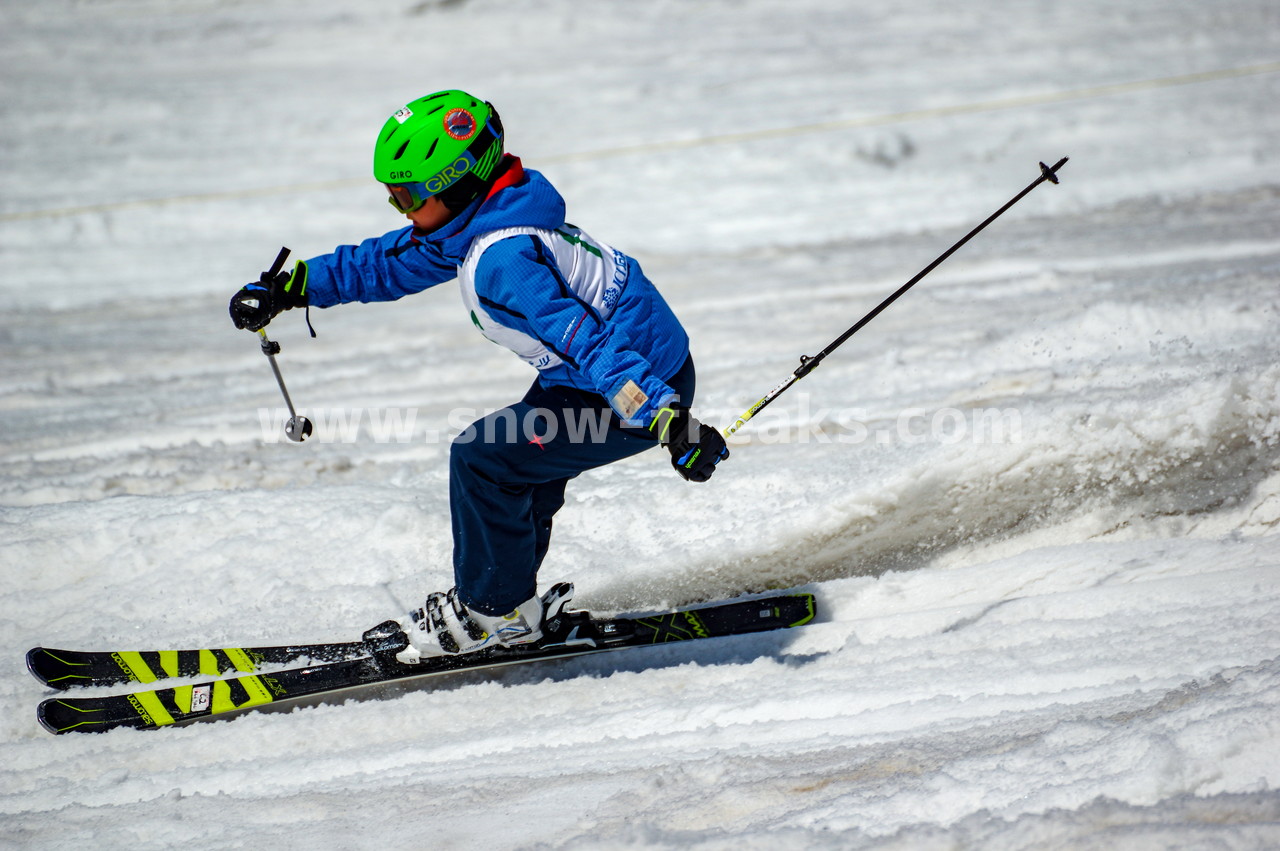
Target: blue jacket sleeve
383	268
602	355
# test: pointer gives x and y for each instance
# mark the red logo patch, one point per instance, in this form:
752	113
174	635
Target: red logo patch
460	124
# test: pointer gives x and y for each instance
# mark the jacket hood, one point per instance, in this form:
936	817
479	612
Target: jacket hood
521	198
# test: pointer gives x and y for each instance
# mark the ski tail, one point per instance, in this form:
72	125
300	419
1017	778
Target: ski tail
771	613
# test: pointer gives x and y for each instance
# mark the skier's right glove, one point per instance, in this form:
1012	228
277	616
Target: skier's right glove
259	302
695	448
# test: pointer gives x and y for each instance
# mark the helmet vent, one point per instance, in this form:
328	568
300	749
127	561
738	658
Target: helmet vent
432	149
400	153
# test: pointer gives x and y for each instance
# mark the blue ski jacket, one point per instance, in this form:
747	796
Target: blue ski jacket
579	311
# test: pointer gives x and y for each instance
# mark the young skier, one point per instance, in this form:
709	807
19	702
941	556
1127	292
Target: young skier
603	340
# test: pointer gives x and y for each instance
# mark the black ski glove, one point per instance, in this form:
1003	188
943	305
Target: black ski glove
695	448
258	303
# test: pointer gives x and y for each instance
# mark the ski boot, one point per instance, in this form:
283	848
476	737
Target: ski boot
444	626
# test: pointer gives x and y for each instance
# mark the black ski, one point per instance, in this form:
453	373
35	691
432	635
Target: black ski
64	669
565	634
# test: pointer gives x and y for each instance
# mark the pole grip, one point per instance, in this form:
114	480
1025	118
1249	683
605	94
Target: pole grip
279	263
269	347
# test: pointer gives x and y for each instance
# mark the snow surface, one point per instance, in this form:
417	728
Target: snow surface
1038	498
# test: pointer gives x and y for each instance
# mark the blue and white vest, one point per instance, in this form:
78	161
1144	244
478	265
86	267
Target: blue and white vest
594	272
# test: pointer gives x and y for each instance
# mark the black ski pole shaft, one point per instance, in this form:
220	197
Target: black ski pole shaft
809	364
270	348
297	428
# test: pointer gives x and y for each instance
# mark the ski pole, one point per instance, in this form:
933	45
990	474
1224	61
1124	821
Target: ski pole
297	428
809	364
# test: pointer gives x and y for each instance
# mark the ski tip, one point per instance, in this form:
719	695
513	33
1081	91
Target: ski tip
50	668
61	715
37	657
42	715
55	716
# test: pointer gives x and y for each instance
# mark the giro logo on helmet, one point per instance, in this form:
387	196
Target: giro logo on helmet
451	173
460	124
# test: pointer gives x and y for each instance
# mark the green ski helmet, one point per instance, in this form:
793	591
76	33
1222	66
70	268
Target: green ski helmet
445	144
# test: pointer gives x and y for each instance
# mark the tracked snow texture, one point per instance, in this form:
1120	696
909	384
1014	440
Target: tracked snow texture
1038	497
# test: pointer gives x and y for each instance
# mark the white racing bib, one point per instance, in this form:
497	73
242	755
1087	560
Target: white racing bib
595	273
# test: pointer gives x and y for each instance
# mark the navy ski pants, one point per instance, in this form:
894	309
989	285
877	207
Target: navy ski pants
507	475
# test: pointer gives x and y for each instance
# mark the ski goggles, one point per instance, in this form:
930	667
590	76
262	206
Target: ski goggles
407	197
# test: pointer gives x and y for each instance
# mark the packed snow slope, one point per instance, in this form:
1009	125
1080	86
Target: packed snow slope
1038	498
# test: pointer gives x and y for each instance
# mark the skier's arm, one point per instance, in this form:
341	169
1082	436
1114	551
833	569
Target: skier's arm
383	268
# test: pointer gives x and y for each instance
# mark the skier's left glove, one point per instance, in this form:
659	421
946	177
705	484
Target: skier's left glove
257	303
695	448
